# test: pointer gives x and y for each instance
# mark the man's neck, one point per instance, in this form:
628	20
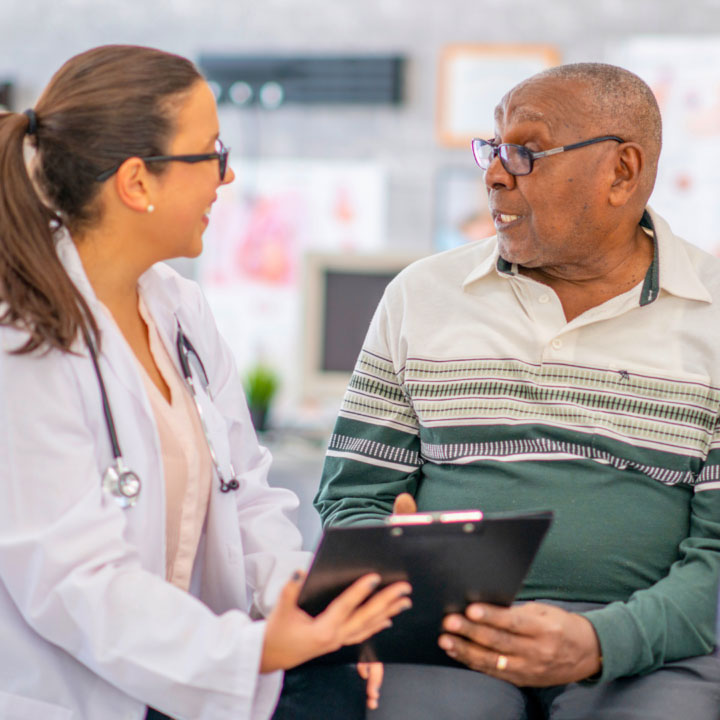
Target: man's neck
584	286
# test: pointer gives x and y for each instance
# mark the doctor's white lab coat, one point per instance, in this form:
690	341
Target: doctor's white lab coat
89	629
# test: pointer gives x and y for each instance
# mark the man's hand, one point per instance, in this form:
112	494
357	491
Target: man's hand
533	644
404	504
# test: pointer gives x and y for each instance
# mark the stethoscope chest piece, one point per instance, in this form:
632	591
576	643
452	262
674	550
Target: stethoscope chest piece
122	484
118	481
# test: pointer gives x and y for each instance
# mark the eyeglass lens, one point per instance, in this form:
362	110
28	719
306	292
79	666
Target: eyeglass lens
223	153
516	159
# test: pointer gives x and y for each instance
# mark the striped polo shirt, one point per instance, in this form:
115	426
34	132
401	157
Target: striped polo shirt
472	390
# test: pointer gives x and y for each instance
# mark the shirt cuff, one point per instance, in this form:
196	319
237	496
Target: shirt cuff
620	642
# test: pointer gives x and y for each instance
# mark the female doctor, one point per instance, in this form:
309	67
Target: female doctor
138	535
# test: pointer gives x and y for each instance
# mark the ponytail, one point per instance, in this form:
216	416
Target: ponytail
102	107
36	293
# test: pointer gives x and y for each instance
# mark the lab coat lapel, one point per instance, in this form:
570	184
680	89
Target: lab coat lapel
163	309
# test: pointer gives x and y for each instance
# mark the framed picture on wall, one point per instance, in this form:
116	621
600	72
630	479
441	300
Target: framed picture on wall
473	78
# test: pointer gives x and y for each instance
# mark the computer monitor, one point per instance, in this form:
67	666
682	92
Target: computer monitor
341	293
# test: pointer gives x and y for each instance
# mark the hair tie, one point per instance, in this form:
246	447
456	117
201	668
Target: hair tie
32	122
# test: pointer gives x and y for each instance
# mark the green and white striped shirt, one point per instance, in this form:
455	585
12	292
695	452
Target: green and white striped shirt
473	391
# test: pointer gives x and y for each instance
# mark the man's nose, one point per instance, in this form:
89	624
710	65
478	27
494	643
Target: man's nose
496	176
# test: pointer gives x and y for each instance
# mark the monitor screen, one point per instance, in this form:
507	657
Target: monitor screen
341	294
350	301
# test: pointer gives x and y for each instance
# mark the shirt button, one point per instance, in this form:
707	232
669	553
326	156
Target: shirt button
557	343
544	299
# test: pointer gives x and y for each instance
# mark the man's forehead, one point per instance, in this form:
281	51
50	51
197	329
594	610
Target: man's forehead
543	101
521	113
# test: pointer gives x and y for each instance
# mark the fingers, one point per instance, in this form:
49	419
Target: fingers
480	658
360	632
375	672
349	620
501	641
375	614
535	644
291	591
404	504
526	619
348	601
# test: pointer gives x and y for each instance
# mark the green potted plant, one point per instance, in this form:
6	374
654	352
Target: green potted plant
261	383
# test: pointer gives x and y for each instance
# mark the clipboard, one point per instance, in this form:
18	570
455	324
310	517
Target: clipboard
451	559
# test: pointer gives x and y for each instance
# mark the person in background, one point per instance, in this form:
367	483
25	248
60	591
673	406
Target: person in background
140	543
570	362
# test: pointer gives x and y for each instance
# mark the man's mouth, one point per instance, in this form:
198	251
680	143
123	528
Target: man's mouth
503	219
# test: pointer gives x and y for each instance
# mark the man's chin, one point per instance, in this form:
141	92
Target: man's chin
515	253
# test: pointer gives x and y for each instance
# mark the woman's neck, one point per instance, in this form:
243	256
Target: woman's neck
112	271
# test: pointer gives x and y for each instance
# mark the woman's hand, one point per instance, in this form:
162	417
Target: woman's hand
292	636
372	673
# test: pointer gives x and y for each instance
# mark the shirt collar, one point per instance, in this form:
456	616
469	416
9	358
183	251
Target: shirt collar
489	259
671	268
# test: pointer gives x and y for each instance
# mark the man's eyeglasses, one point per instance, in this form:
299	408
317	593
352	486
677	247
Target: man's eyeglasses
519	160
221	155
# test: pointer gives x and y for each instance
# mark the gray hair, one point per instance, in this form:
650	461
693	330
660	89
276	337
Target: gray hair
622	102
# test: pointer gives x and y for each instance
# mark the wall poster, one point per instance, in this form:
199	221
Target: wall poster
472	80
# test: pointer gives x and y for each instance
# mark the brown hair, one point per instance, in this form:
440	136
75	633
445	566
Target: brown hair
102	107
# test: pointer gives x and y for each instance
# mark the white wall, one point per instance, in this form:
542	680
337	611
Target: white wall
36	36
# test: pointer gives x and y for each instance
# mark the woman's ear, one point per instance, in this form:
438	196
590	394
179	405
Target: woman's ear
133	185
628	170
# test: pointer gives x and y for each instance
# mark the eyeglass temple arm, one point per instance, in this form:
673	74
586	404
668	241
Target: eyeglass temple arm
555	151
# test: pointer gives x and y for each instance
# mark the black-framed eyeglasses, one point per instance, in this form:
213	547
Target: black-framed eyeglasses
519	160
221	155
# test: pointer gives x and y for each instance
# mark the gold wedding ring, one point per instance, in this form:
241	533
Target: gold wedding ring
501	663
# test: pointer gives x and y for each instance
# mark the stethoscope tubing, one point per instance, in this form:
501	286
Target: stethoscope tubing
107	412
184	348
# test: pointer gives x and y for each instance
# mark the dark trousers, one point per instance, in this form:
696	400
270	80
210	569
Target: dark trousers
684	690
315	692
156	715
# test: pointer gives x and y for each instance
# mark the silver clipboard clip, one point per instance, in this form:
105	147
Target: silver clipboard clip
442	516
469	518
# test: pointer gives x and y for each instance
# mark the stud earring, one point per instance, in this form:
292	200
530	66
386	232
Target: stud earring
151	208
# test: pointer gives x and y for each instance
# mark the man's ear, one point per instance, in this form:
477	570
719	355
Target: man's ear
133	185
628	170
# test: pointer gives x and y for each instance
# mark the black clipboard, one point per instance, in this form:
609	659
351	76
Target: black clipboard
451	559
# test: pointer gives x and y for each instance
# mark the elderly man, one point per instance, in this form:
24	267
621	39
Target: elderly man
570	362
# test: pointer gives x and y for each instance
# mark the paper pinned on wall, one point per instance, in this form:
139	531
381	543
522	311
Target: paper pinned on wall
472	80
684	74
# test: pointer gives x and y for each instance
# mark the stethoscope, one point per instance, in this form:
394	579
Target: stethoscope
119	481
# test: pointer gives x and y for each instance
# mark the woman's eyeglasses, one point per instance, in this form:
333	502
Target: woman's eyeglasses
221	155
519	160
